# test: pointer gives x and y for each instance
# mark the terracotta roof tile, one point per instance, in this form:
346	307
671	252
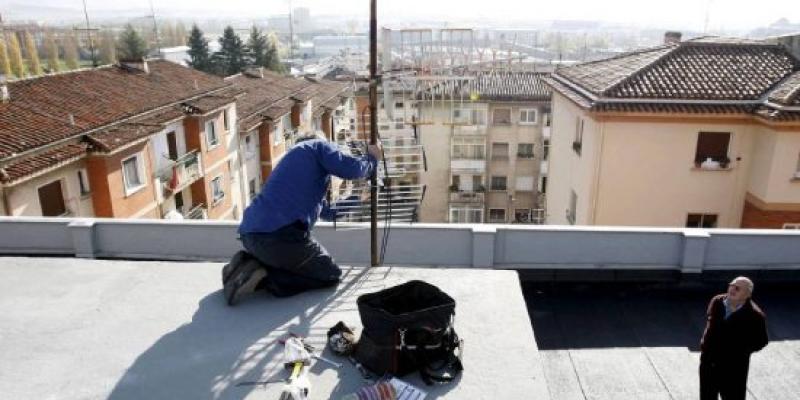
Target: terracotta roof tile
42	110
498	86
42	161
788	92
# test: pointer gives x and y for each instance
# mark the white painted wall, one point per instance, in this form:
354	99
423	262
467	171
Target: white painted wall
24	198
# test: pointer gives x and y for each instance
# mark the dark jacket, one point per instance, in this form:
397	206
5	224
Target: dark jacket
741	334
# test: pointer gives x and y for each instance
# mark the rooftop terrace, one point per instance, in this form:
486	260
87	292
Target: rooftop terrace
76	327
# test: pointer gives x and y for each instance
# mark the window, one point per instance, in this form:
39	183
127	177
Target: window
467	148
456	185
499	151
477	183
211	134
466	215
701	221
497	215
469	116
546	149
498	183
398	123
399	105
525	183
249	146
792	225
51	200
714	146
501	116
573	206
543	185
527	116
132	174
525	150
83	182
522	215
216	190
226	119
252	188
578	142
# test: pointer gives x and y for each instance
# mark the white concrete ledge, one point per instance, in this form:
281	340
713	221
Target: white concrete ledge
690	251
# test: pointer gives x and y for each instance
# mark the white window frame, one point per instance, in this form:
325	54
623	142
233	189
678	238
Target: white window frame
83	182
527	112
491	183
498	156
217	181
129	189
498	221
212	138
467	213
473	148
525	157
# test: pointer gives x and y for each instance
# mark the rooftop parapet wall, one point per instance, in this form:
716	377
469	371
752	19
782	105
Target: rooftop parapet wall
450	245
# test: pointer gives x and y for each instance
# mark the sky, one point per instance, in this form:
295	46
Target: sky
677	14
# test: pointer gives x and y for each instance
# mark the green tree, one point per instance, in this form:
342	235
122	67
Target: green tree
107	48
51	51
257	47
71	57
5	62
15	53
34	65
198	50
130	46
232	56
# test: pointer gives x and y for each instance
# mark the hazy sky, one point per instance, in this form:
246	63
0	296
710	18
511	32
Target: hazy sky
682	14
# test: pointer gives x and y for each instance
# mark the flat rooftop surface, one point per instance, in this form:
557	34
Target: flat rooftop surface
642	342
92	329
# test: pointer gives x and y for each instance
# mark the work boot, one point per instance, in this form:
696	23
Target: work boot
237	259
243	280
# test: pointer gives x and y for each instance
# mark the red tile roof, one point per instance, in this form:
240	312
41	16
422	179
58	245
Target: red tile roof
41	162
50	108
699	76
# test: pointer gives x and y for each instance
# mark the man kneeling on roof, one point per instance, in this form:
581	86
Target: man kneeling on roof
281	255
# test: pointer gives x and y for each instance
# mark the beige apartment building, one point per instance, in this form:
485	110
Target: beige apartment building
700	133
485	142
149	139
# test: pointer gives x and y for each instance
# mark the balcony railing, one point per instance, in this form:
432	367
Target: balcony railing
197	212
468	129
467	165
183	172
546	132
466	197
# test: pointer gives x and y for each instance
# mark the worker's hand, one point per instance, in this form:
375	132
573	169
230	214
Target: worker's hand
376	150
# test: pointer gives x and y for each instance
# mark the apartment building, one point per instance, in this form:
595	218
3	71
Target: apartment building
700	133
274	110
485	137
151	139
148	139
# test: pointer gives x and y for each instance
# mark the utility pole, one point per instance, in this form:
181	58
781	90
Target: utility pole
155	27
89	30
373	125
291	32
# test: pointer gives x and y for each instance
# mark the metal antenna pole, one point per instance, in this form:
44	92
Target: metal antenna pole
89	32
373	125
155	27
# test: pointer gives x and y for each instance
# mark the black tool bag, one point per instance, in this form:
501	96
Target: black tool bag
409	328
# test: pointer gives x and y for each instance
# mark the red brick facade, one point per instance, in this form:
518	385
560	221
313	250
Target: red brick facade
754	217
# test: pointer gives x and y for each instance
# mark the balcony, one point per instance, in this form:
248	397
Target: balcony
467	197
183	172
469	130
468	165
196	212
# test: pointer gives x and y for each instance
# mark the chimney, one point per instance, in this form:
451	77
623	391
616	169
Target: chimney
6	97
139	65
254	72
672	37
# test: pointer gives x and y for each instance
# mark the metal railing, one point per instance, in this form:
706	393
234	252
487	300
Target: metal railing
183	172
467	197
197	212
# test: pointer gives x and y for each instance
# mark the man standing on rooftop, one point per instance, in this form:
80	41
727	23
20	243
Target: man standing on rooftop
276	227
735	329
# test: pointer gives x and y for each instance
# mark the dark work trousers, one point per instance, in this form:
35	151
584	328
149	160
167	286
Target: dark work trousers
295	261
726	376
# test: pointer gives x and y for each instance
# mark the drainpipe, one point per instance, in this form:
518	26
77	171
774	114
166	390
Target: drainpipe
598	172
6	205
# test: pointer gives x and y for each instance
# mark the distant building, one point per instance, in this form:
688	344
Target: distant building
325	46
700	133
